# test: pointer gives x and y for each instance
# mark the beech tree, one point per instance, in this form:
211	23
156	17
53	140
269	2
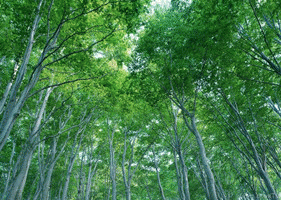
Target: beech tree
103	100
64	31
193	61
51	44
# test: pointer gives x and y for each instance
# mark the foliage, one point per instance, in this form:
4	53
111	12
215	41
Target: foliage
129	91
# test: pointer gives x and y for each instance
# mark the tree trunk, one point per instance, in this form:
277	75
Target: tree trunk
81	178
184	175
15	104
126	182
17	186
178	149
5	95
207	168
112	163
18	183
48	175
10	171
74	152
251	153
91	172
158	175
202	178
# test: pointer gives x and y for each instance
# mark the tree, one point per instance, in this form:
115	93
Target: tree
100	101
176	80
64	30
50	46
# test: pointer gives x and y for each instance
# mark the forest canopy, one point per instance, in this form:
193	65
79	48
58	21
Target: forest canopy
138	100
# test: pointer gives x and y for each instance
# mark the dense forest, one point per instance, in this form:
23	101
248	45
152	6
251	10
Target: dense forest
130	99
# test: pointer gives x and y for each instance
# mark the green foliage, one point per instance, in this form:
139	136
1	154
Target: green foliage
220	58
219	52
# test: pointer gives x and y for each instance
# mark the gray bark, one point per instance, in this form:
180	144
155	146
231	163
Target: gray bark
81	177
130	173
112	162
202	178
5	96
49	164
74	151
91	173
184	176
251	153
127	183
10	172
47	170
17	186
47	182
205	162
158	175
13	105
17	96
193	128
178	148
179	176
220	190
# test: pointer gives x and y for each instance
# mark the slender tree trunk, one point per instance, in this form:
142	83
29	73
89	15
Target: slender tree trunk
91	174
158	175
74	151
88	185
16	188
81	177
263	172
185	175
10	171
178	149
48	175
113	173
112	163
180	103
202	178
5	96
205	162
252	152
128	192
179	176
47	166
41	147
18	183
13	105
126	182
130	173
91	171
29	193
